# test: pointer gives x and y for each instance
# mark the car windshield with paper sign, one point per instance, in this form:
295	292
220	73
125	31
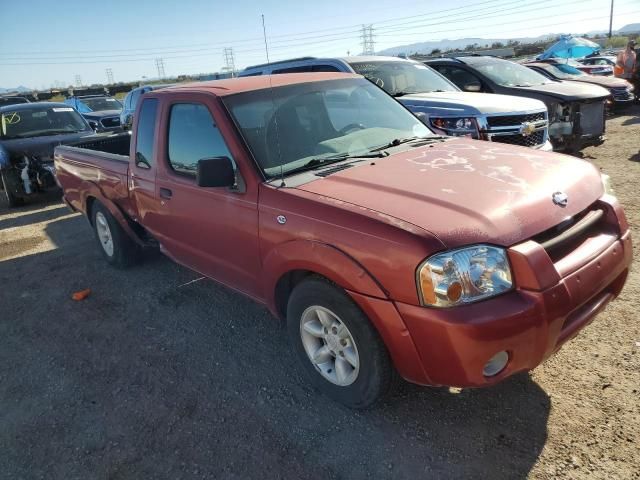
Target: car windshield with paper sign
40	121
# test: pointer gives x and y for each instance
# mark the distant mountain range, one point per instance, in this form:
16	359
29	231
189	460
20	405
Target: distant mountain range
19	89
461	43
631	28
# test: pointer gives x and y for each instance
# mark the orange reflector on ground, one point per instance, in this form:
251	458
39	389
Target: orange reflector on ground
81	295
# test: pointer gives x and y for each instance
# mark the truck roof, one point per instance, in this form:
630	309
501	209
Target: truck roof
231	86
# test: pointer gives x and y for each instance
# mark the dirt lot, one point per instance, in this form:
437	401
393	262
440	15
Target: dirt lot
155	377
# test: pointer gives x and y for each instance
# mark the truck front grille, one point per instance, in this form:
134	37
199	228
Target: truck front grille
527	129
515	120
621	93
563	239
110	122
533	140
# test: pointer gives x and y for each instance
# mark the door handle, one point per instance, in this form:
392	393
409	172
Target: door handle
165	193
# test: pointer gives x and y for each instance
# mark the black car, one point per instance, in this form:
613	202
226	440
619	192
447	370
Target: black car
576	110
131	100
8	100
101	111
28	134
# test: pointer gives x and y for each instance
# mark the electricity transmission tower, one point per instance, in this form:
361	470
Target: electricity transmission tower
160	67
368	47
78	81
109	76
229	61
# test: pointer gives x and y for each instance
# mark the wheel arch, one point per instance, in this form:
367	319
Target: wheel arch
288	264
91	195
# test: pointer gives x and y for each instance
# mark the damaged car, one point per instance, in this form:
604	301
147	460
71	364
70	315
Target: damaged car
28	134
576	110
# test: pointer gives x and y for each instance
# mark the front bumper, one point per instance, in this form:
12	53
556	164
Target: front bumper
551	304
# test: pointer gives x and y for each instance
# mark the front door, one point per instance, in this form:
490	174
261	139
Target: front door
212	230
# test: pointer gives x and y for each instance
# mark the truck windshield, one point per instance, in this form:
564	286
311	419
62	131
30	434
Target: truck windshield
39	121
401	78
288	126
510	74
99	104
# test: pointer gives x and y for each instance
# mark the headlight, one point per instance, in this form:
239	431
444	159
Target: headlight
464	275
456	126
606	183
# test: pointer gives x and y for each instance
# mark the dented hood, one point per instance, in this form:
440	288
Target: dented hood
466	191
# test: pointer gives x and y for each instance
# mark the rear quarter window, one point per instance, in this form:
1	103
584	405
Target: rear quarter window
145	138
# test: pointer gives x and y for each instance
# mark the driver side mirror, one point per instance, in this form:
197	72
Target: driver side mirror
472	87
215	172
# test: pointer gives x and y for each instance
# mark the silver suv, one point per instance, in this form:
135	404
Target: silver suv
439	103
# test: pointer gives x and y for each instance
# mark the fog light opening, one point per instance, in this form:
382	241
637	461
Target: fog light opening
496	364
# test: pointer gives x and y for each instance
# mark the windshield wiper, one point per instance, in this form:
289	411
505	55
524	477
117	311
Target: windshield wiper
47	133
319	162
399	141
402	93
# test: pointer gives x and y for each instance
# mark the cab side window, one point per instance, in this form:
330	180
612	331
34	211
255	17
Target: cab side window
459	76
324	68
145	137
193	135
299	69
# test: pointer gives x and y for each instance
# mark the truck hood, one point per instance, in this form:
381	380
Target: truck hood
603	81
466	103
466	191
567	91
101	114
41	147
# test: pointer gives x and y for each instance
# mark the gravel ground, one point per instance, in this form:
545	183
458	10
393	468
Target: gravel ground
155	377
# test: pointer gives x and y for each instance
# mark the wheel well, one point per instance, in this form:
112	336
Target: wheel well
88	210
285	286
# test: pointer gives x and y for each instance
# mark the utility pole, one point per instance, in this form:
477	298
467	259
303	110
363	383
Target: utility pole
109	73
229	61
78	81
160	67
368	47
611	19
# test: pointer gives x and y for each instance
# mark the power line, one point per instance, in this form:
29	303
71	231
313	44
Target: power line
109	73
301	35
368	47
386	31
78	79
160	67
229	61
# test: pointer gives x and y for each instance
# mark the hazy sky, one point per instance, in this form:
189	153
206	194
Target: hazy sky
62	39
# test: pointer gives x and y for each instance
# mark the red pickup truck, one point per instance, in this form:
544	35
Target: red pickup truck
385	247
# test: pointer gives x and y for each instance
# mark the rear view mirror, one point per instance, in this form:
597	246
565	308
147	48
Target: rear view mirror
472	87
215	172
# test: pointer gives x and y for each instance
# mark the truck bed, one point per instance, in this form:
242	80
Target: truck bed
102	161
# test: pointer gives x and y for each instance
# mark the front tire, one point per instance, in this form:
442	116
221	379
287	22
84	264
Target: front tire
337	345
116	246
10	198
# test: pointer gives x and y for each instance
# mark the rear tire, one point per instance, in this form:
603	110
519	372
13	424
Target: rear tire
115	244
351	364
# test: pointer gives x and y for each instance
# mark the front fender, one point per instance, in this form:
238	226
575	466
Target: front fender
322	259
